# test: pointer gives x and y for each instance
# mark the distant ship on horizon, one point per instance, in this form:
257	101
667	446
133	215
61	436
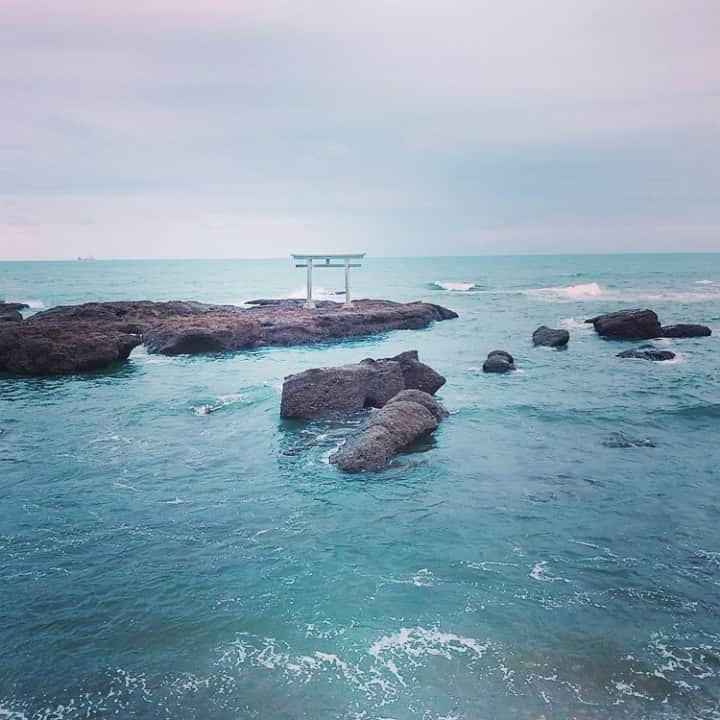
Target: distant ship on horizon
89	258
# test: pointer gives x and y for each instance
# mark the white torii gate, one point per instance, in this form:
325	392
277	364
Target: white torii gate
333	261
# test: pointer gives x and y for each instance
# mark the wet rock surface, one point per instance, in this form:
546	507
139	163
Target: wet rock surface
685	330
348	389
628	325
647	352
499	361
182	327
61	347
404	419
550	337
10	315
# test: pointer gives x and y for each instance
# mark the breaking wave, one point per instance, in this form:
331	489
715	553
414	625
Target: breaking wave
451	286
594	291
32	304
571	292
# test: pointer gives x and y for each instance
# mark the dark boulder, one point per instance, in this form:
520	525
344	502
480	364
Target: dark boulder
418	375
499	361
503	354
685	330
627	325
7	306
7	316
550	337
348	389
647	352
388	431
61	347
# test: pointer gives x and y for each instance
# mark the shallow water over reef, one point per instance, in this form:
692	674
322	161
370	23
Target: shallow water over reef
169	548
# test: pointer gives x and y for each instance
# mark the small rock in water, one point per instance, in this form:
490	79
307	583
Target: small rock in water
499	361
620	440
647	352
628	325
685	330
550	337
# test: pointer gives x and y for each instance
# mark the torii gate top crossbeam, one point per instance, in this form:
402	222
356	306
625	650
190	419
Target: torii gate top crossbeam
326	260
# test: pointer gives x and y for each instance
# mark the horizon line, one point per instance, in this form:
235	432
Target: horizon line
90	259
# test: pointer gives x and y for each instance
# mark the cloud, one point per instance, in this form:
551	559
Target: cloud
393	123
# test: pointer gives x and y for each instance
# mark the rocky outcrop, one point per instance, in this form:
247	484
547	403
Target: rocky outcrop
10	312
403	420
418	375
550	337
10	315
498	361
647	352
685	330
61	347
348	389
628	325
179	327
203	334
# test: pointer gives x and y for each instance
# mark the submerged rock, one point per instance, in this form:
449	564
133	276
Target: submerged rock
402	421
647	352
621	440
61	347
180	327
685	330
498	361
550	337
348	389
628	325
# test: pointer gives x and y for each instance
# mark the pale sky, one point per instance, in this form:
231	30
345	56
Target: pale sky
252	128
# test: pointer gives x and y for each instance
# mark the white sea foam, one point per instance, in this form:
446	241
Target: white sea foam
594	291
677	360
418	642
576	324
569	292
32	304
319	293
123	486
454	286
222	401
704	282
422	578
539	573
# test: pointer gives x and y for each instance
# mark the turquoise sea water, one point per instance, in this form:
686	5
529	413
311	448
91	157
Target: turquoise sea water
159	561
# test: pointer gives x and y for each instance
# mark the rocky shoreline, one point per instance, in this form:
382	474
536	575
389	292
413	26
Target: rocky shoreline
92	336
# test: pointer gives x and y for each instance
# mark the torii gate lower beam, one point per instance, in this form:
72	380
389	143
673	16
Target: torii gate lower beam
336	260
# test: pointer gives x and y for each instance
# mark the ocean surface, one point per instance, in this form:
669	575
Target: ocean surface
553	552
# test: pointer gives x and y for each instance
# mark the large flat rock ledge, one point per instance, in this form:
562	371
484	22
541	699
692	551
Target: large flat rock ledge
76	338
